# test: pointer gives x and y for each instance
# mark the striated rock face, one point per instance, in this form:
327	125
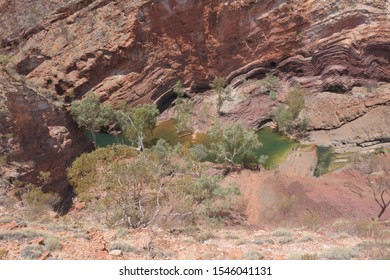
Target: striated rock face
43	137
136	50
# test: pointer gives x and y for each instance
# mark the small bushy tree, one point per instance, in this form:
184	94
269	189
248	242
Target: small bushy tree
37	201
219	85
138	123
272	85
377	174
91	114
232	142
287	114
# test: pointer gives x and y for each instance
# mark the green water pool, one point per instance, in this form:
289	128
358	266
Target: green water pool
276	146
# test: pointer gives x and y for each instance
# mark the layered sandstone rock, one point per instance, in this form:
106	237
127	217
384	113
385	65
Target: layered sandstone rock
43	136
136	50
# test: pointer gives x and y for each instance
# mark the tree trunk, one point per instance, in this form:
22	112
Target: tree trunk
94	138
382	211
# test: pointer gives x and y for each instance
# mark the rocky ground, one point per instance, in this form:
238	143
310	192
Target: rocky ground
278	220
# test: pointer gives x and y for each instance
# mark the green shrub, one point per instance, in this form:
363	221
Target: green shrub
231	236
374	250
369	229
282	232
83	174
285	240
4	59
240	242
204	236
52	243
271	83
305	239
124	247
20	235
285	115
31	252
252	255
339	253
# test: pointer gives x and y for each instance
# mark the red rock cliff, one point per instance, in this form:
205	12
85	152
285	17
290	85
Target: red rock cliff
136	50
43	136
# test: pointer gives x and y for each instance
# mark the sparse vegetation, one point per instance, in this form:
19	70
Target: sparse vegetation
20	235
305	239
52	243
339	253
374	250
312	221
285	239
271	84
204	236
38	202
282	233
122	246
252	255
4	59
240	242
31	252
183	109
377	173
223	92
135	190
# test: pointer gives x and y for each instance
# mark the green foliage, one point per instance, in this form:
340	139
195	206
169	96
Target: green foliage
164	183
85	170
91	114
282	233
52	243
204	236
38	202
232	142
4	59
284	119
286	115
218	84
285	240
272	85
273	95
31	252
178	89
339	253
223	92
374	250
4	147
22	235
70	95
137	123
183	109
296	101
